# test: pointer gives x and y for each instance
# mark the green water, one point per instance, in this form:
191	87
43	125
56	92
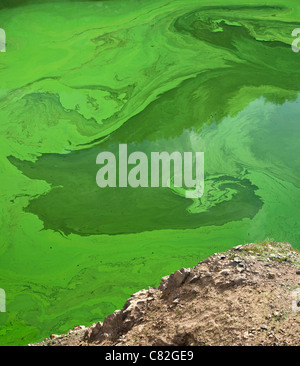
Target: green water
79	78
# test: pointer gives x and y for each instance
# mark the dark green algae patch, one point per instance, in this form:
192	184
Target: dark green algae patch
159	76
75	204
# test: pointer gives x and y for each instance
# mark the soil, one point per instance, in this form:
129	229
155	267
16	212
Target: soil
247	296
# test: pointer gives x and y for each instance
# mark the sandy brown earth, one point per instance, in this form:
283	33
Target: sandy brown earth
249	295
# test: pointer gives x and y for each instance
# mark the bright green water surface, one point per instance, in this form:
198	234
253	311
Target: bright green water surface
79	78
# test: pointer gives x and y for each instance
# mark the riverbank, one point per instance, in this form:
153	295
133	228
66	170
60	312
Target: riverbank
248	295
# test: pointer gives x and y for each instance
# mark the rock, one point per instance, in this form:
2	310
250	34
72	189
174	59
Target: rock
207	260
264	327
53	336
79	327
239	280
139	293
225	272
93	331
151	290
99	325
238	247
246	335
193	278
177	279
271	275
163	282
237	260
186	271
112	323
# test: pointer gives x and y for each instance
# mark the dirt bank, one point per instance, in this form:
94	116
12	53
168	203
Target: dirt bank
249	295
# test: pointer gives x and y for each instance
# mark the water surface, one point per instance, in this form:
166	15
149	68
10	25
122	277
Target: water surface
79	78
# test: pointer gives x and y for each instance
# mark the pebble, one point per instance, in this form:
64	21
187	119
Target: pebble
225	272
238	247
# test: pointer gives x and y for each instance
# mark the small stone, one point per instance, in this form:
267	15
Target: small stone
238	247
179	277
151	290
79	327
271	275
264	327
239	280
192	279
53	336
207	260
99	325
186	271
225	272
163	282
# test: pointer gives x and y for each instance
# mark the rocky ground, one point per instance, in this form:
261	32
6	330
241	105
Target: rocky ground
249	295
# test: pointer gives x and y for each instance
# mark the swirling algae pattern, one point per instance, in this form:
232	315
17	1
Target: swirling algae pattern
79	78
